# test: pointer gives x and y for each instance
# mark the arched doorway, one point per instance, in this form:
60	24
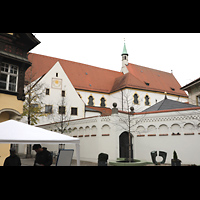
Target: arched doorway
124	145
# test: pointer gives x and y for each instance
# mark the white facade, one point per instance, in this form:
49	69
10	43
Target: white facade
153	131
101	134
57	82
120	96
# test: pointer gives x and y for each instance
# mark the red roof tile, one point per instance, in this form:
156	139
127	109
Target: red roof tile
82	76
104	111
158	80
87	77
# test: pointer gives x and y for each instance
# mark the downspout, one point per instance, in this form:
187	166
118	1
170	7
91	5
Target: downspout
122	100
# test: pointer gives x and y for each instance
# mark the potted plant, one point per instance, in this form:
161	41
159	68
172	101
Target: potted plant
175	161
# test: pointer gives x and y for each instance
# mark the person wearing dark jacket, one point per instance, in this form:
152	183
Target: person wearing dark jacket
43	157
13	159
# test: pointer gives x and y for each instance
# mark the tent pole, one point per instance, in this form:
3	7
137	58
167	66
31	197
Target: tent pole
78	154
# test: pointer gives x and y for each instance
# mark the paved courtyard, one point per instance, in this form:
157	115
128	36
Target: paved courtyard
30	162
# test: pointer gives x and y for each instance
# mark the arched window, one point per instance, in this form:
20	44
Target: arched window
91	100
103	102
135	98
147	103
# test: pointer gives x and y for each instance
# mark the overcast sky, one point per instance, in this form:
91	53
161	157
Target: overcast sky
179	52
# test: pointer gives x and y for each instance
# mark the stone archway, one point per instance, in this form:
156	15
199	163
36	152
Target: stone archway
124	145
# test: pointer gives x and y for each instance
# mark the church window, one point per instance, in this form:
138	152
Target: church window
135	96
147	103
91	100
103	102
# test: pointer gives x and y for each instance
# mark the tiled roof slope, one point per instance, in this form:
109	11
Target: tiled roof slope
158	80
87	77
82	76
168	104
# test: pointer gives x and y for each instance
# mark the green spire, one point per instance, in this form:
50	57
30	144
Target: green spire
124	50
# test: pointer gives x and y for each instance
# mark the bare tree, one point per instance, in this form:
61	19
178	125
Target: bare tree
33	105
126	118
61	120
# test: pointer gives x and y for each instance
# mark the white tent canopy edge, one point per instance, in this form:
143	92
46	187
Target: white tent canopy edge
12	131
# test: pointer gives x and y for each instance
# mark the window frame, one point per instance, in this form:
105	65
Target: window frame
63	93
136	99
76	113
92	100
102	102
60	109
9	74
51	110
47	93
198	100
148	100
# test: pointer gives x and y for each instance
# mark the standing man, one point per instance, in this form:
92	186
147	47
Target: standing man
43	157
13	159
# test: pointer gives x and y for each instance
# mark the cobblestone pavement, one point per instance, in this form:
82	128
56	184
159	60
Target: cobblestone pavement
30	162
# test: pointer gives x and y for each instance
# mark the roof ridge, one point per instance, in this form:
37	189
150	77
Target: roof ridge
150	68
76	62
161	103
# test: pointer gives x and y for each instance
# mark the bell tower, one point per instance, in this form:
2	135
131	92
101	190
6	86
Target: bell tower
124	59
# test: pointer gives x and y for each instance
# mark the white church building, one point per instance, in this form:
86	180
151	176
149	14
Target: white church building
162	118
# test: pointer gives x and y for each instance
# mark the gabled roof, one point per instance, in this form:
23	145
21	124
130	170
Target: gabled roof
189	85
127	80
168	104
156	80
82	76
90	78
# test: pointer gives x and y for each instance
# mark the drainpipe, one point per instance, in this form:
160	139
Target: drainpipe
122	100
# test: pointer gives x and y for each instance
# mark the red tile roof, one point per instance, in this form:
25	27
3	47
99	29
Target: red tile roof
87	77
82	76
104	111
158	80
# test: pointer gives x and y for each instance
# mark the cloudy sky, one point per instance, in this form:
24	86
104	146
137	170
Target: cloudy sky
179	52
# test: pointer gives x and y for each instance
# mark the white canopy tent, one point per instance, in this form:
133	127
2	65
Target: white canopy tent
12	131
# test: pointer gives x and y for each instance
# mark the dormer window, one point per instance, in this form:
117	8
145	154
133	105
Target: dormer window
172	89
147	83
8	77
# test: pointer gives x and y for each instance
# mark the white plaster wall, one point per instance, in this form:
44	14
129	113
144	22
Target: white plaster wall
193	93
92	114
90	130
186	146
128	93
97	96
71	98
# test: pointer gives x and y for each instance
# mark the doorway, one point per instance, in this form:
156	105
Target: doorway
124	145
